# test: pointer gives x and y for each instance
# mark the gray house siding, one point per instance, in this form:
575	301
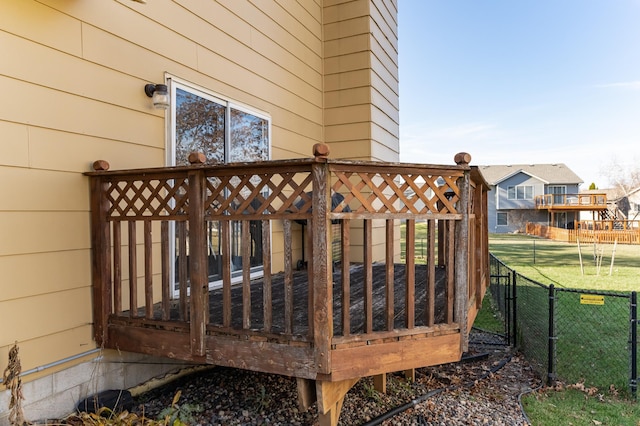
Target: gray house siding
533	180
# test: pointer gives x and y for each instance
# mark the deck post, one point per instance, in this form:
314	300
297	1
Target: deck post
199	282
321	272
462	251
101	247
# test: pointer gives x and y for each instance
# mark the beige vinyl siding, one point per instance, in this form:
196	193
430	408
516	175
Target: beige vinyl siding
75	96
361	57
72	79
45	314
71	269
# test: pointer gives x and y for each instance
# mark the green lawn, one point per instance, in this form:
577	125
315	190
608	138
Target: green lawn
592	340
554	262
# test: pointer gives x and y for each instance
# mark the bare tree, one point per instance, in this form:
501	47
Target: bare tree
624	177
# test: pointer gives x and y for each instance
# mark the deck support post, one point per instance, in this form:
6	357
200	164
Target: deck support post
321	285
380	382
462	251
328	395
199	283
101	245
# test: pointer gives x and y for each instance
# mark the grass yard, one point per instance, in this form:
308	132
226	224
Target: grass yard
552	262
592	340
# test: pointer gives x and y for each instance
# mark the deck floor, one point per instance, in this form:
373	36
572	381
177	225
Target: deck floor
357	314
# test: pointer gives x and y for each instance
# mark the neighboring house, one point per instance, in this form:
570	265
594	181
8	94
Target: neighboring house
273	78
514	188
621	205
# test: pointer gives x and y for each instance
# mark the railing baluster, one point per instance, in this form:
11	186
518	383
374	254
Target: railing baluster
410	273
308	242
390	278
431	272
182	269
226	273
368	277
288	276
166	282
451	272
133	271
246	275
117	266
148	270
267	307
345	247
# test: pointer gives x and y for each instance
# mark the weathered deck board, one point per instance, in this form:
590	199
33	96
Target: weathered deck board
299	302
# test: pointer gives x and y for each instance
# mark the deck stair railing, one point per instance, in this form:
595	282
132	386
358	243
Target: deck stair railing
151	265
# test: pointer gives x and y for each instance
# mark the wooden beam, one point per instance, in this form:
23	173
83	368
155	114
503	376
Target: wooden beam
330	398
394	356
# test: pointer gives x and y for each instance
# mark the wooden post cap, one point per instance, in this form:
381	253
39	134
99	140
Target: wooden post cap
321	150
462	158
101	165
197	158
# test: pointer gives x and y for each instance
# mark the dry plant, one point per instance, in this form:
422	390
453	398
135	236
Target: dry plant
13	382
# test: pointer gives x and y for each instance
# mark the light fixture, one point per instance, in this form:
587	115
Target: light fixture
159	94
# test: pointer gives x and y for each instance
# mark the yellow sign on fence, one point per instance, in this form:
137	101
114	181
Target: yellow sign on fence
591	299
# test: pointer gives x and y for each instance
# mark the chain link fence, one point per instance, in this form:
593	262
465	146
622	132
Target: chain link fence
569	335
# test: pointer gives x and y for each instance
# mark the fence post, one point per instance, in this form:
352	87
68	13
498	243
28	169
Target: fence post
634	344
551	374
511	338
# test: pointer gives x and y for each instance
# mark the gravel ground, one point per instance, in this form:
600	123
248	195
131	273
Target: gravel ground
481	391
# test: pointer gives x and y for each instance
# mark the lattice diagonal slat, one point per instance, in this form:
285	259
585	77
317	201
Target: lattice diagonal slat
152	197
375	192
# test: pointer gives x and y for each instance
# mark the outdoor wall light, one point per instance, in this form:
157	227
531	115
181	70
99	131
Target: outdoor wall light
159	94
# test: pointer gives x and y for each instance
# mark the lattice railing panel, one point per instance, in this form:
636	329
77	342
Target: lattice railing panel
413	193
259	194
147	197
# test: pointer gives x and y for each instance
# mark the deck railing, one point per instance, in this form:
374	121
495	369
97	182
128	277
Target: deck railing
571	201
588	231
152	238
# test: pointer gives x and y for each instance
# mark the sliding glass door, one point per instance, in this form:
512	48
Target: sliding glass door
225	133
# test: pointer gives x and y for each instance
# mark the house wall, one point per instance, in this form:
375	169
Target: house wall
519	211
72	78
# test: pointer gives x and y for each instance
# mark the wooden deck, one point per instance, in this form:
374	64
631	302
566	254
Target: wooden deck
300	322
154	230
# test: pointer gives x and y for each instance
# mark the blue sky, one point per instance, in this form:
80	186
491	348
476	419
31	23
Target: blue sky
514	81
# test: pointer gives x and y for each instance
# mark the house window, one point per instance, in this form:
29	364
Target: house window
559	192
502	219
520	192
225	132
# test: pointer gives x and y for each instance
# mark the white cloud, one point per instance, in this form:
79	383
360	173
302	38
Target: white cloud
630	85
